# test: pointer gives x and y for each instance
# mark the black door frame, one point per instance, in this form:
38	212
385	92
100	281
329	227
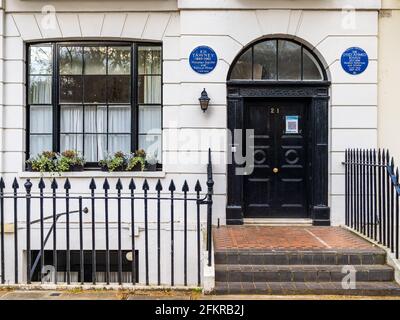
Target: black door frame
318	94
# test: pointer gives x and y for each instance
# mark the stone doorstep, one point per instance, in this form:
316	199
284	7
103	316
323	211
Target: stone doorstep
307	288
300	273
271	257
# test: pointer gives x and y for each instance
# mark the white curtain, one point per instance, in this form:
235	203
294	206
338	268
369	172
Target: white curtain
150	116
71	128
95	129
119	122
39	143
40	123
40	90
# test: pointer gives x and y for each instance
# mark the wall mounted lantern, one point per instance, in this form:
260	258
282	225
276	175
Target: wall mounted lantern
204	100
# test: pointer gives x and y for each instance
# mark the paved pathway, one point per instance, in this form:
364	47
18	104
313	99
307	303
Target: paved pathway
115	295
288	238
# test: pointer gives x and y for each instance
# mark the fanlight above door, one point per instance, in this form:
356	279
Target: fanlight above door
277	60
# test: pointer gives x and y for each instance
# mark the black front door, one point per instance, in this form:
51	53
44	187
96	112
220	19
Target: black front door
277	186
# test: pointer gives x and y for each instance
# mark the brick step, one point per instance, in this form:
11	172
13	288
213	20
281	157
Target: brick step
300	273
307	288
301	257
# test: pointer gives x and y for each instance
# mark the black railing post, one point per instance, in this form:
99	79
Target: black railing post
198	190
132	188
81	253
397	192
41	188
28	188
392	202
2	224
353	189
15	187
67	187
380	197
357	159
388	191
106	187
368	194
54	187
92	188
158	189
383	169
210	192
119	188
146	228
185	190
172	190
374	196
363	189
397	188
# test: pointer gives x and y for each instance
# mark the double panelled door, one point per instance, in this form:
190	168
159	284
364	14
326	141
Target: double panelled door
276	185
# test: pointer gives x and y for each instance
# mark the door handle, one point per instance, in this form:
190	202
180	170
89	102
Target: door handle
275	170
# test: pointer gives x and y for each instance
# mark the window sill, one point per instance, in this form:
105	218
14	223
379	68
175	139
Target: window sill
93	174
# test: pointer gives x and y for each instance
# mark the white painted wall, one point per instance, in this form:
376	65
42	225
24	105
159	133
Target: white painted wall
389	68
353	112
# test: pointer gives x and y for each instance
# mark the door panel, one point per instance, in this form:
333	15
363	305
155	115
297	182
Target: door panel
277	187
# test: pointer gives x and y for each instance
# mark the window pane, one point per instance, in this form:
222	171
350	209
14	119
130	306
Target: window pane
152	145
119	60
95	119
149	89
71	119
265	61
70	89
72	142
41	60
311	68
95	89
71	60
118	89
95	60
40	143
242	68
119	119
41	119
150	119
95	147
289	54
119	143
149	60
40	90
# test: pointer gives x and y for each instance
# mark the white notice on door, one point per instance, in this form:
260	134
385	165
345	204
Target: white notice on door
292	124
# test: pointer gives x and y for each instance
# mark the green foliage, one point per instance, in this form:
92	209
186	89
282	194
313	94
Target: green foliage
134	161
138	158
68	159
117	162
49	161
44	162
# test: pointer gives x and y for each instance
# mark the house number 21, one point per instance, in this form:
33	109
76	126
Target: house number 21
275	110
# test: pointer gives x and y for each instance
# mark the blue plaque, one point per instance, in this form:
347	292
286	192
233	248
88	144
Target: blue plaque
354	61
203	59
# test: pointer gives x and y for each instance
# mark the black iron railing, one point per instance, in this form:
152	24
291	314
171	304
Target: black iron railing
35	204
372	196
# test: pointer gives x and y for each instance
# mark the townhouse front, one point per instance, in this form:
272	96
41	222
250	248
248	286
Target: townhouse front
293	83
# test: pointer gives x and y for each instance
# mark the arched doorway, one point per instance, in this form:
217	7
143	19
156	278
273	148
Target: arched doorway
279	89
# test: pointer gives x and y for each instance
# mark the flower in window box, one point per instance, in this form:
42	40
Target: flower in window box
137	161
44	162
70	160
117	162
